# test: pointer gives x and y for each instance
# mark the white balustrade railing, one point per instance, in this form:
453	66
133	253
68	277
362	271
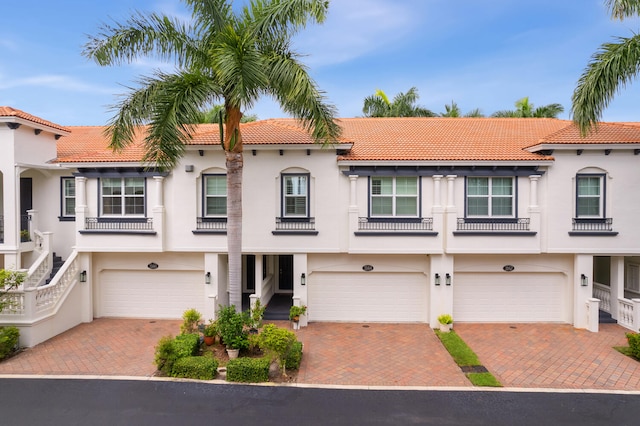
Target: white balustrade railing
32	303
603	292
629	313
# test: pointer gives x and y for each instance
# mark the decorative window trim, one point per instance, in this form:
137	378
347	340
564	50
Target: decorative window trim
490	217
206	216
394	216
123	196
283	197
602	196
64	216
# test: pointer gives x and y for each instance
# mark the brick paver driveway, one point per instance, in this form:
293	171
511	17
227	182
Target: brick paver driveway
553	355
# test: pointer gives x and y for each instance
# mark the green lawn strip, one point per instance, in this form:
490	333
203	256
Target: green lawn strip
465	357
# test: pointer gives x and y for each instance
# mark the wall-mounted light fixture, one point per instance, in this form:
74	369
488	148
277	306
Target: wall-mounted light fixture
584	281
207	278
83	276
303	279
447	279
188	168
437	279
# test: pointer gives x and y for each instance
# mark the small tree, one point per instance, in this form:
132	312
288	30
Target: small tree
9	280
277	342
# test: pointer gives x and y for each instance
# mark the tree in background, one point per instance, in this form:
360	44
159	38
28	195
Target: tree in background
453	110
611	68
525	109
216	115
220	55
403	105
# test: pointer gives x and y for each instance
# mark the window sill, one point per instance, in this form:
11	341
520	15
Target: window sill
496	233
294	232
210	231
117	232
395	234
593	233
66	218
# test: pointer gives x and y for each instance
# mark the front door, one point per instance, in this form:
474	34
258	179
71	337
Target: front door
26	201
285	273
250	270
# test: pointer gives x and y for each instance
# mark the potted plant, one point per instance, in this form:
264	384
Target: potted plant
294	314
231	329
25	237
446	322
210	332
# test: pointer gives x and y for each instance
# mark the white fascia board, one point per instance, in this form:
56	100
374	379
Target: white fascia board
303	146
33	125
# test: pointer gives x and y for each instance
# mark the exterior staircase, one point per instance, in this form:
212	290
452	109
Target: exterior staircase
57	264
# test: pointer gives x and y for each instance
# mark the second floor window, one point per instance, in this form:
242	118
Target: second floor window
68	197
215	196
490	197
394	196
295	194
123	196
589	203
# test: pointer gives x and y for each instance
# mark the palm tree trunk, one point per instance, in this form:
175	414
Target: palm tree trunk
234	162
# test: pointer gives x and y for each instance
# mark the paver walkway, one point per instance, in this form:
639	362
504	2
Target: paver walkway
553	355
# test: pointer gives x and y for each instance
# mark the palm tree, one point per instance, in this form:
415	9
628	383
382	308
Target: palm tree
216	115
453	110
611	68
403	105
525	109
219	55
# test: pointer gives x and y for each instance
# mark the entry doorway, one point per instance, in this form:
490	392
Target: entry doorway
285	273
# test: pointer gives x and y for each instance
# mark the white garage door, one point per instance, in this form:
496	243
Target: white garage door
510	297
375	297
149	294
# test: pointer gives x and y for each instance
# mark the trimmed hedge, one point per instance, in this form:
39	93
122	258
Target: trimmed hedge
169	350
8	340
634	344
248	370
195	367
294	356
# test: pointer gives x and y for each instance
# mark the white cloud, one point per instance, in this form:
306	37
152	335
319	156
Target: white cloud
52	81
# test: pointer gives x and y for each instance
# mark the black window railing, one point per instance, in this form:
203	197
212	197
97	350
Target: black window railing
211	223
493	225
119	223
295	223
593	225
395	224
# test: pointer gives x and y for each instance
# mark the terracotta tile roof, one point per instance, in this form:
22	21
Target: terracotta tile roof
382	139
446	139
89	144
7	111
606	133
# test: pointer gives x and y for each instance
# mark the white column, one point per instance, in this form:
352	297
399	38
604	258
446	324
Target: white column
81	203
437	195
159	192
533	195
583	264
451	200
353	194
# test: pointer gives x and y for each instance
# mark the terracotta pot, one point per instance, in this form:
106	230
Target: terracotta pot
209	340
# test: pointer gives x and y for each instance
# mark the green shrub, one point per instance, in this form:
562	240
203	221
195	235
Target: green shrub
231	327
294	356
169	350
195	367
248	370
634	344
191	318
277	342
8	340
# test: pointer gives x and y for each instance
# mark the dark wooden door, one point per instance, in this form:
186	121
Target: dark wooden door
250	270
285	272
26	201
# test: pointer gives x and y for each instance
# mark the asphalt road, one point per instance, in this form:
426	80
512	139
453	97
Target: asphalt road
68	402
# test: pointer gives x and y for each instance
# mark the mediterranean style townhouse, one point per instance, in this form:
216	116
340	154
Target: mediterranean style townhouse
403	219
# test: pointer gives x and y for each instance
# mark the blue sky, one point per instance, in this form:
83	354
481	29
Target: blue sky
479	53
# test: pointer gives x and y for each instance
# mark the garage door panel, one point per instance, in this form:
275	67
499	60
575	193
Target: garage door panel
514	298
371	297
149	294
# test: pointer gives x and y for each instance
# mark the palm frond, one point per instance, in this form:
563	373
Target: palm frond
611	68
621	9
